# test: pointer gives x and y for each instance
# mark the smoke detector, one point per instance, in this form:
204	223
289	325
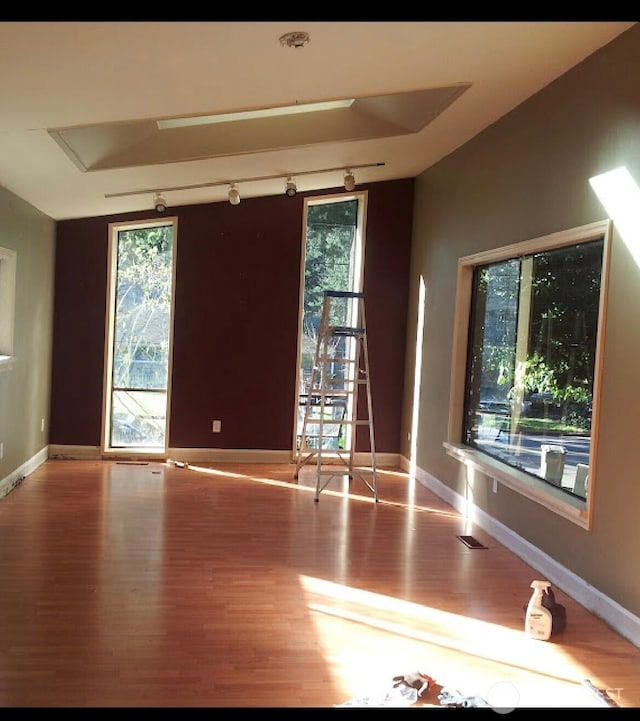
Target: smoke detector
295	39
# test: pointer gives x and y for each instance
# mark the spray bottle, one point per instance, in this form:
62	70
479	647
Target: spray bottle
538	620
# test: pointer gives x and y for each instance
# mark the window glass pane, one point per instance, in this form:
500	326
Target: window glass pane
330	264
530	372
141	336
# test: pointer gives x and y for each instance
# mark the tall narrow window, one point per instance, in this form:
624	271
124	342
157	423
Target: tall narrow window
139	339
333	259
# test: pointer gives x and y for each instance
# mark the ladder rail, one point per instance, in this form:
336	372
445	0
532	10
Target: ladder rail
335	383
372	445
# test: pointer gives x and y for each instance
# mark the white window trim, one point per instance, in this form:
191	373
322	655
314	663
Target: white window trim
114	229
574	509
8	260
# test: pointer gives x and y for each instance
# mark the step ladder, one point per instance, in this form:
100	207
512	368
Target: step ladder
333	412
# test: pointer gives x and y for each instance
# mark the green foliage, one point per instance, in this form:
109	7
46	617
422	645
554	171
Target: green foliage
500	360
535	375
330	238
143	299
564	315
562	322
144	265
548	426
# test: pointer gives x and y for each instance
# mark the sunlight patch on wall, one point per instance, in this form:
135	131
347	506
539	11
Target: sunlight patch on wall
619	194
415	412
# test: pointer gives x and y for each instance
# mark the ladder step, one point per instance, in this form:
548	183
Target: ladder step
344	330
338	395
332	398
342	294
335	361
338	421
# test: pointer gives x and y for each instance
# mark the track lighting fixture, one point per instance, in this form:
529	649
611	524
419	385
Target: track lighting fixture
290	188
349	181
234	195
159	203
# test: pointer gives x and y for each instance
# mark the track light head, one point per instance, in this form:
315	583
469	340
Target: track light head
349	181
290	188
159	203
234	195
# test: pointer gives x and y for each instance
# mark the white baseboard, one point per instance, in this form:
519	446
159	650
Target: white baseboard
383	460
190	455
74	453
16	477
618	617
227	455
205	455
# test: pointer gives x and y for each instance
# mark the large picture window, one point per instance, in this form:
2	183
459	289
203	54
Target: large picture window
531	366
528	395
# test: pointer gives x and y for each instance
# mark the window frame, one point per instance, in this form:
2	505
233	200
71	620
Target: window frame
8	263
575	509
361	197
114	229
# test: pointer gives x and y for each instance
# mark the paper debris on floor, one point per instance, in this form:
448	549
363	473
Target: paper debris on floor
407	689
394	696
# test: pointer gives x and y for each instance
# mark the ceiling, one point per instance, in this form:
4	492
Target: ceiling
81	103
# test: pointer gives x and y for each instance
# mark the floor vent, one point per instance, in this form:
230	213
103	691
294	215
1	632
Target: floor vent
471	542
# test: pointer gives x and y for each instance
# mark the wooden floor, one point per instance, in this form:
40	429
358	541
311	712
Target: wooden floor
227	585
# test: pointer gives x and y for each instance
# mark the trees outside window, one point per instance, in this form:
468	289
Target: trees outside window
333	250
141	310
532	359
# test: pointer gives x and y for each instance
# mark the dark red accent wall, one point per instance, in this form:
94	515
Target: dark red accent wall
387	260
236	320
78	331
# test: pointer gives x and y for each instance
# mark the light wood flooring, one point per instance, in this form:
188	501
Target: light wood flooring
227	585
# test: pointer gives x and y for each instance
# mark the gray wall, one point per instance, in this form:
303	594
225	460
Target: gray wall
25	387
527	176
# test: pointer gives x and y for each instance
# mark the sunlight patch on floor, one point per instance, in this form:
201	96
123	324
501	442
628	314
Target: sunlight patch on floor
369	638
306	483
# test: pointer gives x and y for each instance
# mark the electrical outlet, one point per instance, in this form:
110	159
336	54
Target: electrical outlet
216	426
1	450
42	425
495	485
